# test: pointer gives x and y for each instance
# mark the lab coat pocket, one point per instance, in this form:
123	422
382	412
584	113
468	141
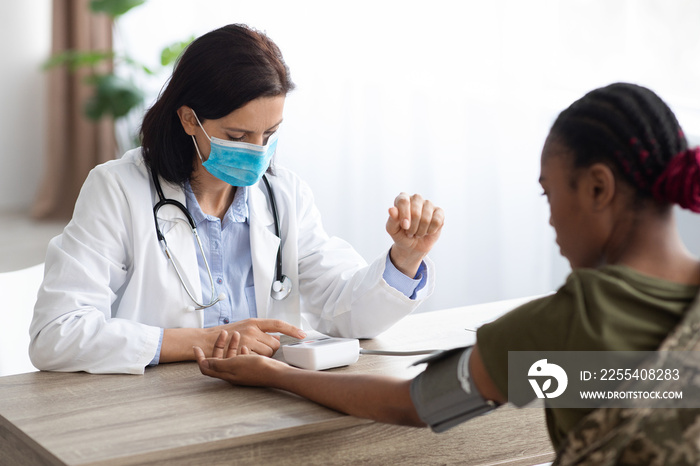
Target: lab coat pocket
250	297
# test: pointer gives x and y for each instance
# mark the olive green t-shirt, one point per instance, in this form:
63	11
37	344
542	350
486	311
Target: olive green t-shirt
613	308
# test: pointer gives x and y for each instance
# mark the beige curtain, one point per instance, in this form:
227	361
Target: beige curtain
75	144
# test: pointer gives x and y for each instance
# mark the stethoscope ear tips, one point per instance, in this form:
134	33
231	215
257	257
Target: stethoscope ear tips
281	288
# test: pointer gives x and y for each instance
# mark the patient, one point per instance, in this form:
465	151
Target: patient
614	164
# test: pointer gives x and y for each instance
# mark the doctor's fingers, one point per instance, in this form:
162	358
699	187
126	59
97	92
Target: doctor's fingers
417	204
432	220
414	214
402	202
279	326
393	226
437	221
425	218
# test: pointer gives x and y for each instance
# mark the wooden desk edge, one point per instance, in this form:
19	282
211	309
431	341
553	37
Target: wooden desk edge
19	448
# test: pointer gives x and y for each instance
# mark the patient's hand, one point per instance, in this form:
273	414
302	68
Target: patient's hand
237	365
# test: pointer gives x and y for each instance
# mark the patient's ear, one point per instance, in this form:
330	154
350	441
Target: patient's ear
187	119
599	186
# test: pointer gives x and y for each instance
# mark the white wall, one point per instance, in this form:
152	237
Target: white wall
25	41
452	101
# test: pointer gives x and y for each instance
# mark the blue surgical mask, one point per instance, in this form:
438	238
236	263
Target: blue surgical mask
237	163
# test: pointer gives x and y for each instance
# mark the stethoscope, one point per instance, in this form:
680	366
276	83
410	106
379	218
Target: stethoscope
282	285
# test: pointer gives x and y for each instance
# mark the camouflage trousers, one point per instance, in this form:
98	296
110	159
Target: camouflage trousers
644	435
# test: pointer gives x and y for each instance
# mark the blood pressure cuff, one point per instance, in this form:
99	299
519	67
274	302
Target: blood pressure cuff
444	394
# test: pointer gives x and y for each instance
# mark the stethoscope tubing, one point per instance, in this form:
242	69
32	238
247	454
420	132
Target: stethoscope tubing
281	287
273	204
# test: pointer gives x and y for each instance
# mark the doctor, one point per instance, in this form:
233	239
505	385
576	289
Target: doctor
196	232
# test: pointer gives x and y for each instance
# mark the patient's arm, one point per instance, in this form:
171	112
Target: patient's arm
381	398
482	379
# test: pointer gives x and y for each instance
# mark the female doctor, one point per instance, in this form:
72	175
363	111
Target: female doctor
195	232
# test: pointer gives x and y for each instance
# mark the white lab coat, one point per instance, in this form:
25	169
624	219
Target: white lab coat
108	288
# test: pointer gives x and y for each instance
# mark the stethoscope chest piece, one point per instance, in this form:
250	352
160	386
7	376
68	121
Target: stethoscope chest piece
281	288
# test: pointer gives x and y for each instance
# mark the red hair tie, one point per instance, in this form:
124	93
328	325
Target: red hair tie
680	181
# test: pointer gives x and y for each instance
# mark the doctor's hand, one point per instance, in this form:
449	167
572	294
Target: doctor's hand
255	334
415	225
232	361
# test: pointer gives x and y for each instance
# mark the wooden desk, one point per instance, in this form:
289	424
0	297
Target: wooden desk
173	415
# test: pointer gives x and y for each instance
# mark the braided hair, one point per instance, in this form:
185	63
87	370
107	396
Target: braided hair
630	129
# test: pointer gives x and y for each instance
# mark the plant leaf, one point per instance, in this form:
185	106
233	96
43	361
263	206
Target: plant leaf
113	96
114	8
171	53
75	59
134	63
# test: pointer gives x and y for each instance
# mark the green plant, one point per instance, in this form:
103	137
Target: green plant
112	95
